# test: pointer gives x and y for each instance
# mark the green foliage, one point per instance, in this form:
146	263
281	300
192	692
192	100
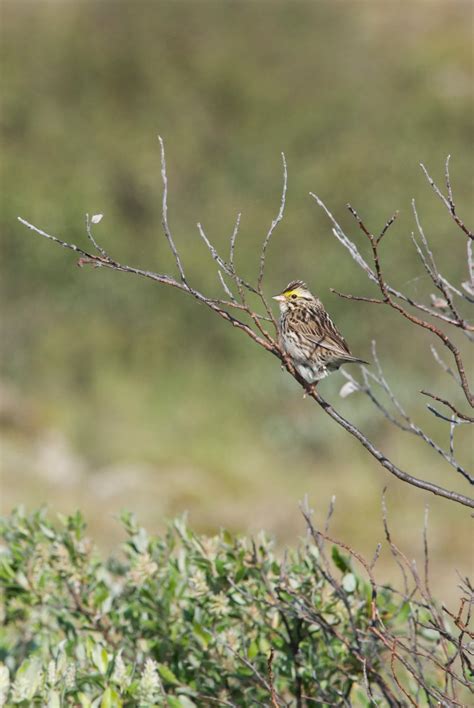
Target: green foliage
181	619
356	94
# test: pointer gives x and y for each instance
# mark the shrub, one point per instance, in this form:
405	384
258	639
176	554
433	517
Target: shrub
183	620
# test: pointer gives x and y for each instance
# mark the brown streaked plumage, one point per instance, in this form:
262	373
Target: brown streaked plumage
309	336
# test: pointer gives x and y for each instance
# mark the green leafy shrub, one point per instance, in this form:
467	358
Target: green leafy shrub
183	620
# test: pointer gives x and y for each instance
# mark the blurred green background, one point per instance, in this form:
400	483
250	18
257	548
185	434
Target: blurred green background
118	393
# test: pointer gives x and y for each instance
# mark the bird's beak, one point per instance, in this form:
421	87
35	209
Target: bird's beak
279	298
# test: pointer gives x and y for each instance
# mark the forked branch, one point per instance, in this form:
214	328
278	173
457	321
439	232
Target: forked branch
235	308
447	201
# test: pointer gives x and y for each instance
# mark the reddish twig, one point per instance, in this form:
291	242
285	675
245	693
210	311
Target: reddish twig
448	202
273	695
223	308
408	315
462	416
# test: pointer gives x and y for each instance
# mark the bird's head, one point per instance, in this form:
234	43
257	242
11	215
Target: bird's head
295	293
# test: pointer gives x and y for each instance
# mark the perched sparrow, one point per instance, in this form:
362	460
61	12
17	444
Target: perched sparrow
308	335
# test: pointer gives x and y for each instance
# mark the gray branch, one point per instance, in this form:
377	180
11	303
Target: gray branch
226	308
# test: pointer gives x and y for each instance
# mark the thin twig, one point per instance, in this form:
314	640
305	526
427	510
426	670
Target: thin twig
388	225
232	242
98	248
408	425
223	309
462	416
273	695
432	269
409	316
273	226
166	227
449	204
360	298
444	366
351	247
256	672
164	280
266	243
225	286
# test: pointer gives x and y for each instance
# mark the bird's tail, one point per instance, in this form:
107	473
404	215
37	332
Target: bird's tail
355	360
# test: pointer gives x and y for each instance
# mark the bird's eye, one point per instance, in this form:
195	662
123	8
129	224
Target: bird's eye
294	296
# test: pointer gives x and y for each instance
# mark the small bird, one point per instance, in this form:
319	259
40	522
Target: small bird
308	335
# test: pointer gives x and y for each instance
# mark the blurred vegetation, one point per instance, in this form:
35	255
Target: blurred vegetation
117	393
185	620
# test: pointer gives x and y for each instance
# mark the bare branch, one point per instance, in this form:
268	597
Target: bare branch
225	286
382	459
166	227
410	652
462	416
388	225
359	298
232	241
214	305
262	680
448	184
448	202
433	271
451	442
346	242
240	283
266	243
57	240
273	226
470	262
98	248
222	264
444	366
386	293
224	308
408	425
351	247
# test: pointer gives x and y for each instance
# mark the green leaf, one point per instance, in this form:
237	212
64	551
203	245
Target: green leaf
47	531
140	540
167	675
100	658
227	537
6	571
30	673
349	582
240	574
252	650
431	634
186	702
362	699
220	566
22	580
340	560
202	634
181	702
404	613
111	699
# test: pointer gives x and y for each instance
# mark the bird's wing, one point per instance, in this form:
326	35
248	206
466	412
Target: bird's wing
323	333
